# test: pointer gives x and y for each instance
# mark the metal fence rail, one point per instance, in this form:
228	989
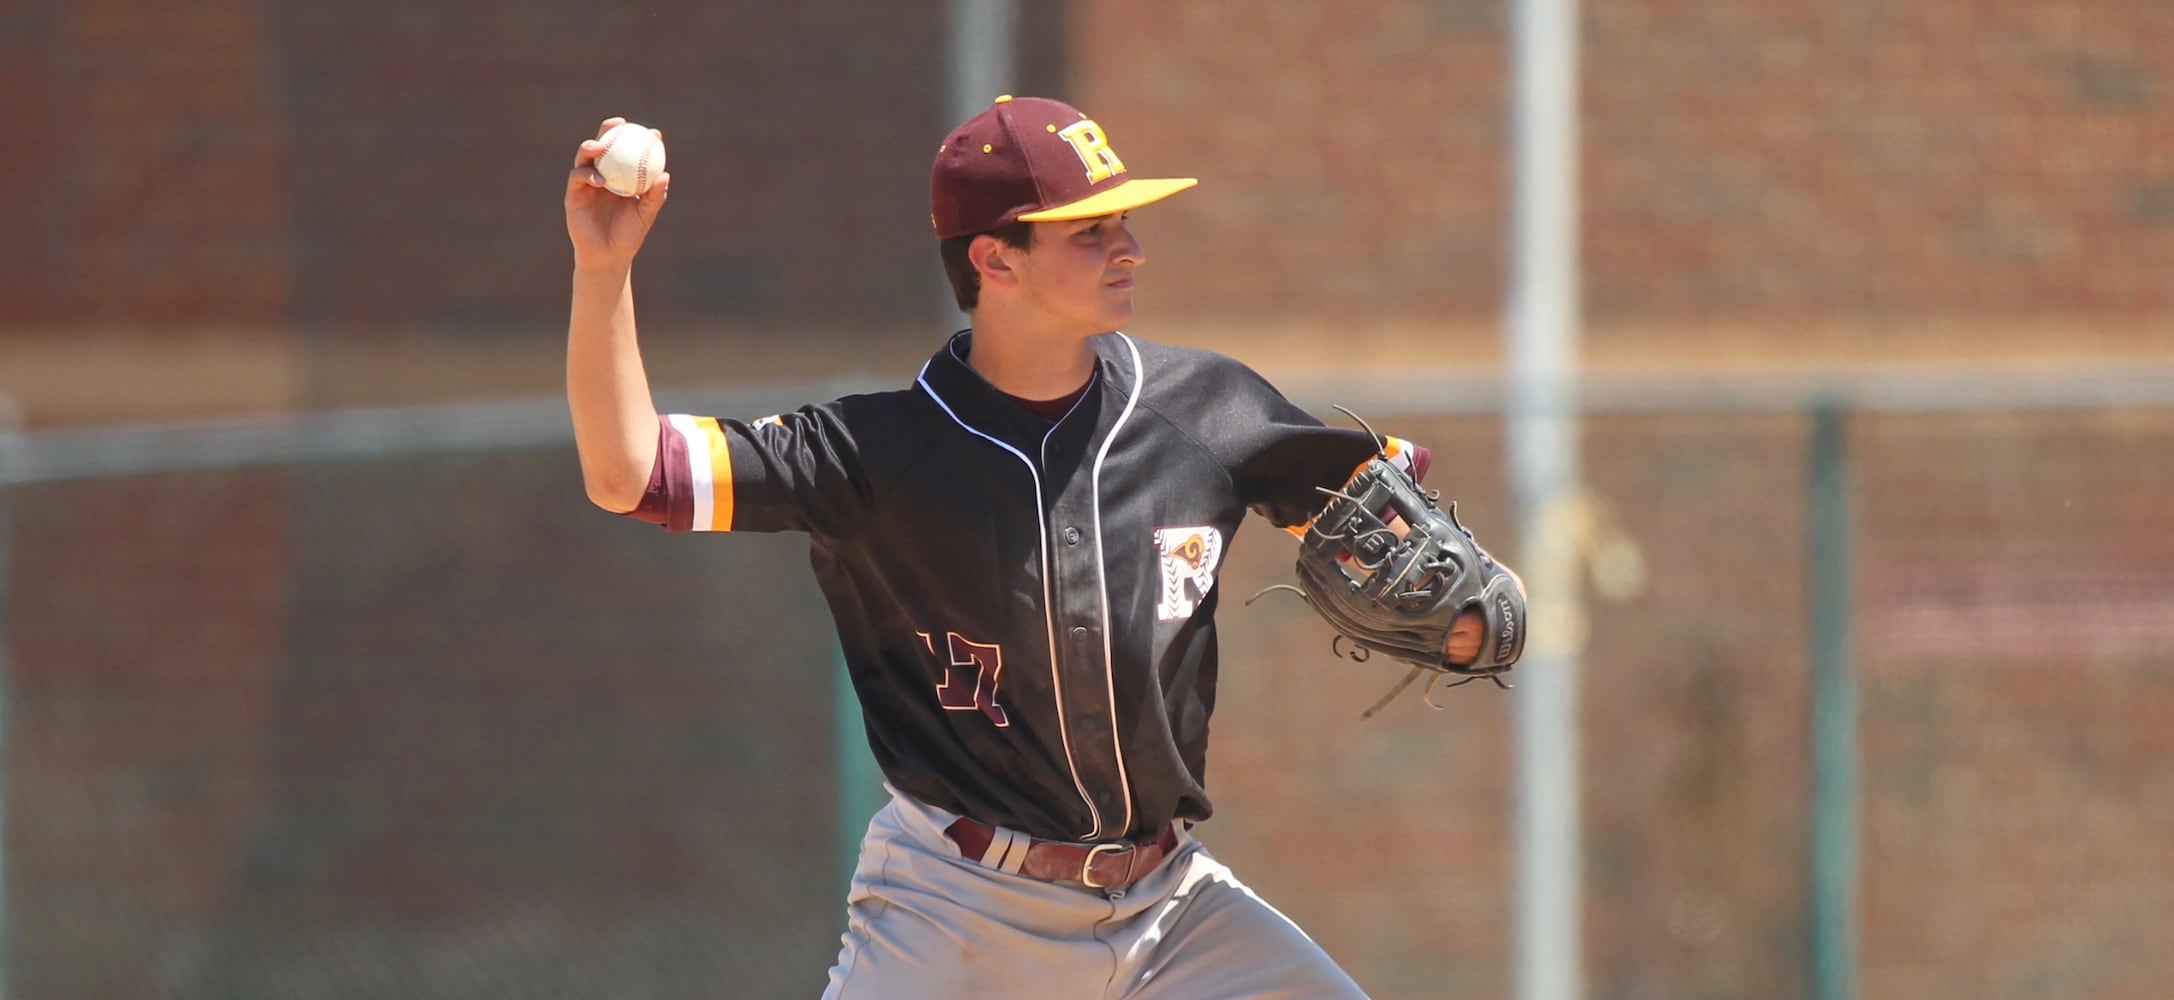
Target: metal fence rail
88	453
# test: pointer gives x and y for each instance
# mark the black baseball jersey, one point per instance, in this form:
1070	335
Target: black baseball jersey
1026	609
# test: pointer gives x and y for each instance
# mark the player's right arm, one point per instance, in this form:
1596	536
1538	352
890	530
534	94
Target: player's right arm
615	419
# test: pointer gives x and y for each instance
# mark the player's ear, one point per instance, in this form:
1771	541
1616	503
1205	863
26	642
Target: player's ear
992	258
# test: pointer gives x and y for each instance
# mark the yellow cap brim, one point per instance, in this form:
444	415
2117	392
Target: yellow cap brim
1122	198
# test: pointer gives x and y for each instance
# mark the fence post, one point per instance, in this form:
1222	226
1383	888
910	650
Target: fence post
1833	839
10	449
857	775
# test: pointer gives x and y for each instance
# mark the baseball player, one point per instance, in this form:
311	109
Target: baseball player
1020	550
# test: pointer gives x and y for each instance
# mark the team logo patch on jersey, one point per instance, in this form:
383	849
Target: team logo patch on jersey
1190	556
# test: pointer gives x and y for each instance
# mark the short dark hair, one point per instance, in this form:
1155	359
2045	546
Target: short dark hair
965	281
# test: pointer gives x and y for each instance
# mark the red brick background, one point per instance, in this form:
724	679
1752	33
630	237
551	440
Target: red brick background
435	728
1766	163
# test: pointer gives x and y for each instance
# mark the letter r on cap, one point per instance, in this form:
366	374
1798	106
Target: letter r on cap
1094	150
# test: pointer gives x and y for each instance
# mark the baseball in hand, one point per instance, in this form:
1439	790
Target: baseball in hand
632	160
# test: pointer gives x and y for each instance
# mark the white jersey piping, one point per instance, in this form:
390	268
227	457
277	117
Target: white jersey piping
1109	673
1049	614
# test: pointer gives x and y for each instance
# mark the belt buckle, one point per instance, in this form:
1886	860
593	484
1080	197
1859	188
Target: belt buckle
1087	868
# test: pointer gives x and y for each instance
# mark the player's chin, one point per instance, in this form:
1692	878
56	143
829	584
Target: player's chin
1117	306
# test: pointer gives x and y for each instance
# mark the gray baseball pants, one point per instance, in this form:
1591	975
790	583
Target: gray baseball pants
924	923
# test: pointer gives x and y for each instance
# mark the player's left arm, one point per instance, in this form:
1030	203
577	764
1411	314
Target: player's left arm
1281	458
1294	498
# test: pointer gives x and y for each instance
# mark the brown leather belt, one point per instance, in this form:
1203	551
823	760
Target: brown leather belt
1097	866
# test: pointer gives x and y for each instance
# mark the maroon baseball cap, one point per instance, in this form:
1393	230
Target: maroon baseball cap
1030	159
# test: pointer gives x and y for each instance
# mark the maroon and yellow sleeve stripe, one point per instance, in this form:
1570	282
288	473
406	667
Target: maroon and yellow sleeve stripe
709	471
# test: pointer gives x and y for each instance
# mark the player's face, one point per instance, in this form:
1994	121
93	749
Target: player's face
1079	273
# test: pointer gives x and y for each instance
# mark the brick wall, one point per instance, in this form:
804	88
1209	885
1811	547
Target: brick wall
1749	163
1767	163
398	166
2015	734
377	730
155	189
1351	155
435	727
141	672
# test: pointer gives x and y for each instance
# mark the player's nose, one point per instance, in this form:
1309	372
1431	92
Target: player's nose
1127	249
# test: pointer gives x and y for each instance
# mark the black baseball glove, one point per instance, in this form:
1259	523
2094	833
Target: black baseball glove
1399	593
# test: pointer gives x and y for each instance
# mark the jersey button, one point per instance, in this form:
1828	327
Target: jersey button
1079	631
1071	535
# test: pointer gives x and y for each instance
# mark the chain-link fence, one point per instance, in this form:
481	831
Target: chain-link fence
348	708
